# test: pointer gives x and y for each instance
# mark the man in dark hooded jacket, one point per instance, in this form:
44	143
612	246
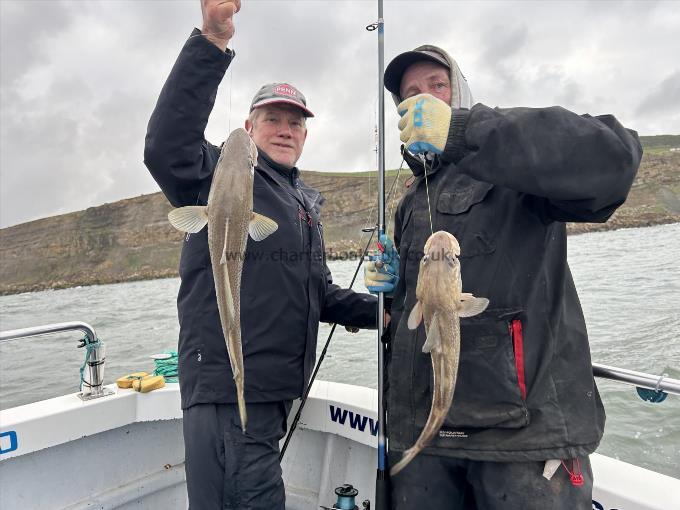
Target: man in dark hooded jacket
526	412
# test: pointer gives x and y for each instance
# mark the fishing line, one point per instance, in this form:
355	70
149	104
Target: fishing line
296	419
427	191
389	213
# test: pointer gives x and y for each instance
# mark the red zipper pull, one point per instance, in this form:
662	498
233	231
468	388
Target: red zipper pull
575	476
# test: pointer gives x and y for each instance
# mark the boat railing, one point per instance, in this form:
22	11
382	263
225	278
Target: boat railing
657	383
92	371
93	378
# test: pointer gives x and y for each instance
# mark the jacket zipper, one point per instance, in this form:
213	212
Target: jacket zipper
319	226
301	215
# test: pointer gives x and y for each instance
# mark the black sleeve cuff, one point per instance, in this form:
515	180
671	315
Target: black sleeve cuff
455	148
209	47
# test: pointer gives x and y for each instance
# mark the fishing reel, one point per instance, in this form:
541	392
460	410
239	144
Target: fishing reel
346	494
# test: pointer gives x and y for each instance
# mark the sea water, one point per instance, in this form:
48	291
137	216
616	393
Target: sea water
628	281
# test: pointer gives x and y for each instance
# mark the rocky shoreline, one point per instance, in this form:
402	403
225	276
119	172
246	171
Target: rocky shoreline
131	239
343	250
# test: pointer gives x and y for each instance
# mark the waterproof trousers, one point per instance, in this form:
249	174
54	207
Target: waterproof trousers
227	469
445	483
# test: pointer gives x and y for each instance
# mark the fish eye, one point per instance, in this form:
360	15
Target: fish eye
425	259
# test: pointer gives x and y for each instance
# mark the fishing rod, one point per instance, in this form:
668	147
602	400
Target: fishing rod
322	356
382	488
382	491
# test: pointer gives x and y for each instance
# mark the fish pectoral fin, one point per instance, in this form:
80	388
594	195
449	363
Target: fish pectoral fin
261	227
470	305
190	219
416	316
434	338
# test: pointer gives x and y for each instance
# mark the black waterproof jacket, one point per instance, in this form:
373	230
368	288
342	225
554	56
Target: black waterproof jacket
505	185
286	287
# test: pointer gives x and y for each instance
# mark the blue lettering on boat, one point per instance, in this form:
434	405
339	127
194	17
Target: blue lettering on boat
13	442
356	421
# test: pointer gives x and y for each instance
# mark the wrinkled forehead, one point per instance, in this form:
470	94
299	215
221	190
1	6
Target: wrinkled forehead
281	109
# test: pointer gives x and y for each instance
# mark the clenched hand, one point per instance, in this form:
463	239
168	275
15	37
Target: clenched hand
218	20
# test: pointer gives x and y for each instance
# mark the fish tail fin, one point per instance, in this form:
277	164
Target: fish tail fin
190	219
409	455
242	410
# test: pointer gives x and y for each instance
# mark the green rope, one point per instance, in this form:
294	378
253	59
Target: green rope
167	367
89	347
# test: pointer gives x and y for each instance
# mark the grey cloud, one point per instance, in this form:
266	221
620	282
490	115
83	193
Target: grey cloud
24	27
663	99
503	42
80	78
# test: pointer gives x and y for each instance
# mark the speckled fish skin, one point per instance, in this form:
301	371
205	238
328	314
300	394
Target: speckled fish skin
230	202
440	295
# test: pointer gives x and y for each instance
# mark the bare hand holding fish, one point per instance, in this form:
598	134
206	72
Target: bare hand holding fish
230	218
441	303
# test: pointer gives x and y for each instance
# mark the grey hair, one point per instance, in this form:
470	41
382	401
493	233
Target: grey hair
254	115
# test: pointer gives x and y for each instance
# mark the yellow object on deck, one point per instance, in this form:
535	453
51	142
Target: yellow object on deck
126	381
148	383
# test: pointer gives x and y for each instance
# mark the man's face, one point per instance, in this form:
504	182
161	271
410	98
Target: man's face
280	132
426	77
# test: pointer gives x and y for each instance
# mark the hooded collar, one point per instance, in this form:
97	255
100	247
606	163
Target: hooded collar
461	97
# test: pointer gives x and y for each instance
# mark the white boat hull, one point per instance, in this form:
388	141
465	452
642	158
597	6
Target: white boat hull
126	451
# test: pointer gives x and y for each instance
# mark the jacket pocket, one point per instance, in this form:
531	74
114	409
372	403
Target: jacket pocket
491	390
464	214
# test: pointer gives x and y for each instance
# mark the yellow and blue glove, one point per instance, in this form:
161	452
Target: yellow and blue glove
381	273
424	123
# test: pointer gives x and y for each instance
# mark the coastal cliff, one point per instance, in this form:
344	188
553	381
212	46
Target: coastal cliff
132	240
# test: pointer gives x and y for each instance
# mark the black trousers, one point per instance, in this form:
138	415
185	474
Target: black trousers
227	469
443	483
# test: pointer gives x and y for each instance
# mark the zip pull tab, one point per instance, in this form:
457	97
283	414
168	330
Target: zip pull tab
575	476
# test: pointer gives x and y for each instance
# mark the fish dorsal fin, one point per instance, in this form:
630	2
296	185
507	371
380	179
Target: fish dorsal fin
191	218
261	227
470	305
416	316
434	338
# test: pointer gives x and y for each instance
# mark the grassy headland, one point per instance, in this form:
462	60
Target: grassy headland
132	240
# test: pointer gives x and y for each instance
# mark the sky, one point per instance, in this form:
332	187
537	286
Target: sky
80	78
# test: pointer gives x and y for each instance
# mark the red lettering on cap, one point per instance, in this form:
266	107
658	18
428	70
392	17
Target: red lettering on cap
285	90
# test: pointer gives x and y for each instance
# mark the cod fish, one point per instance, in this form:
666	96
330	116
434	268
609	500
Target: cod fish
441	303
230	218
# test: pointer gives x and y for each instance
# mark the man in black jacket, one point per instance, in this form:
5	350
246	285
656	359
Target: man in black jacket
286	287
526	412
